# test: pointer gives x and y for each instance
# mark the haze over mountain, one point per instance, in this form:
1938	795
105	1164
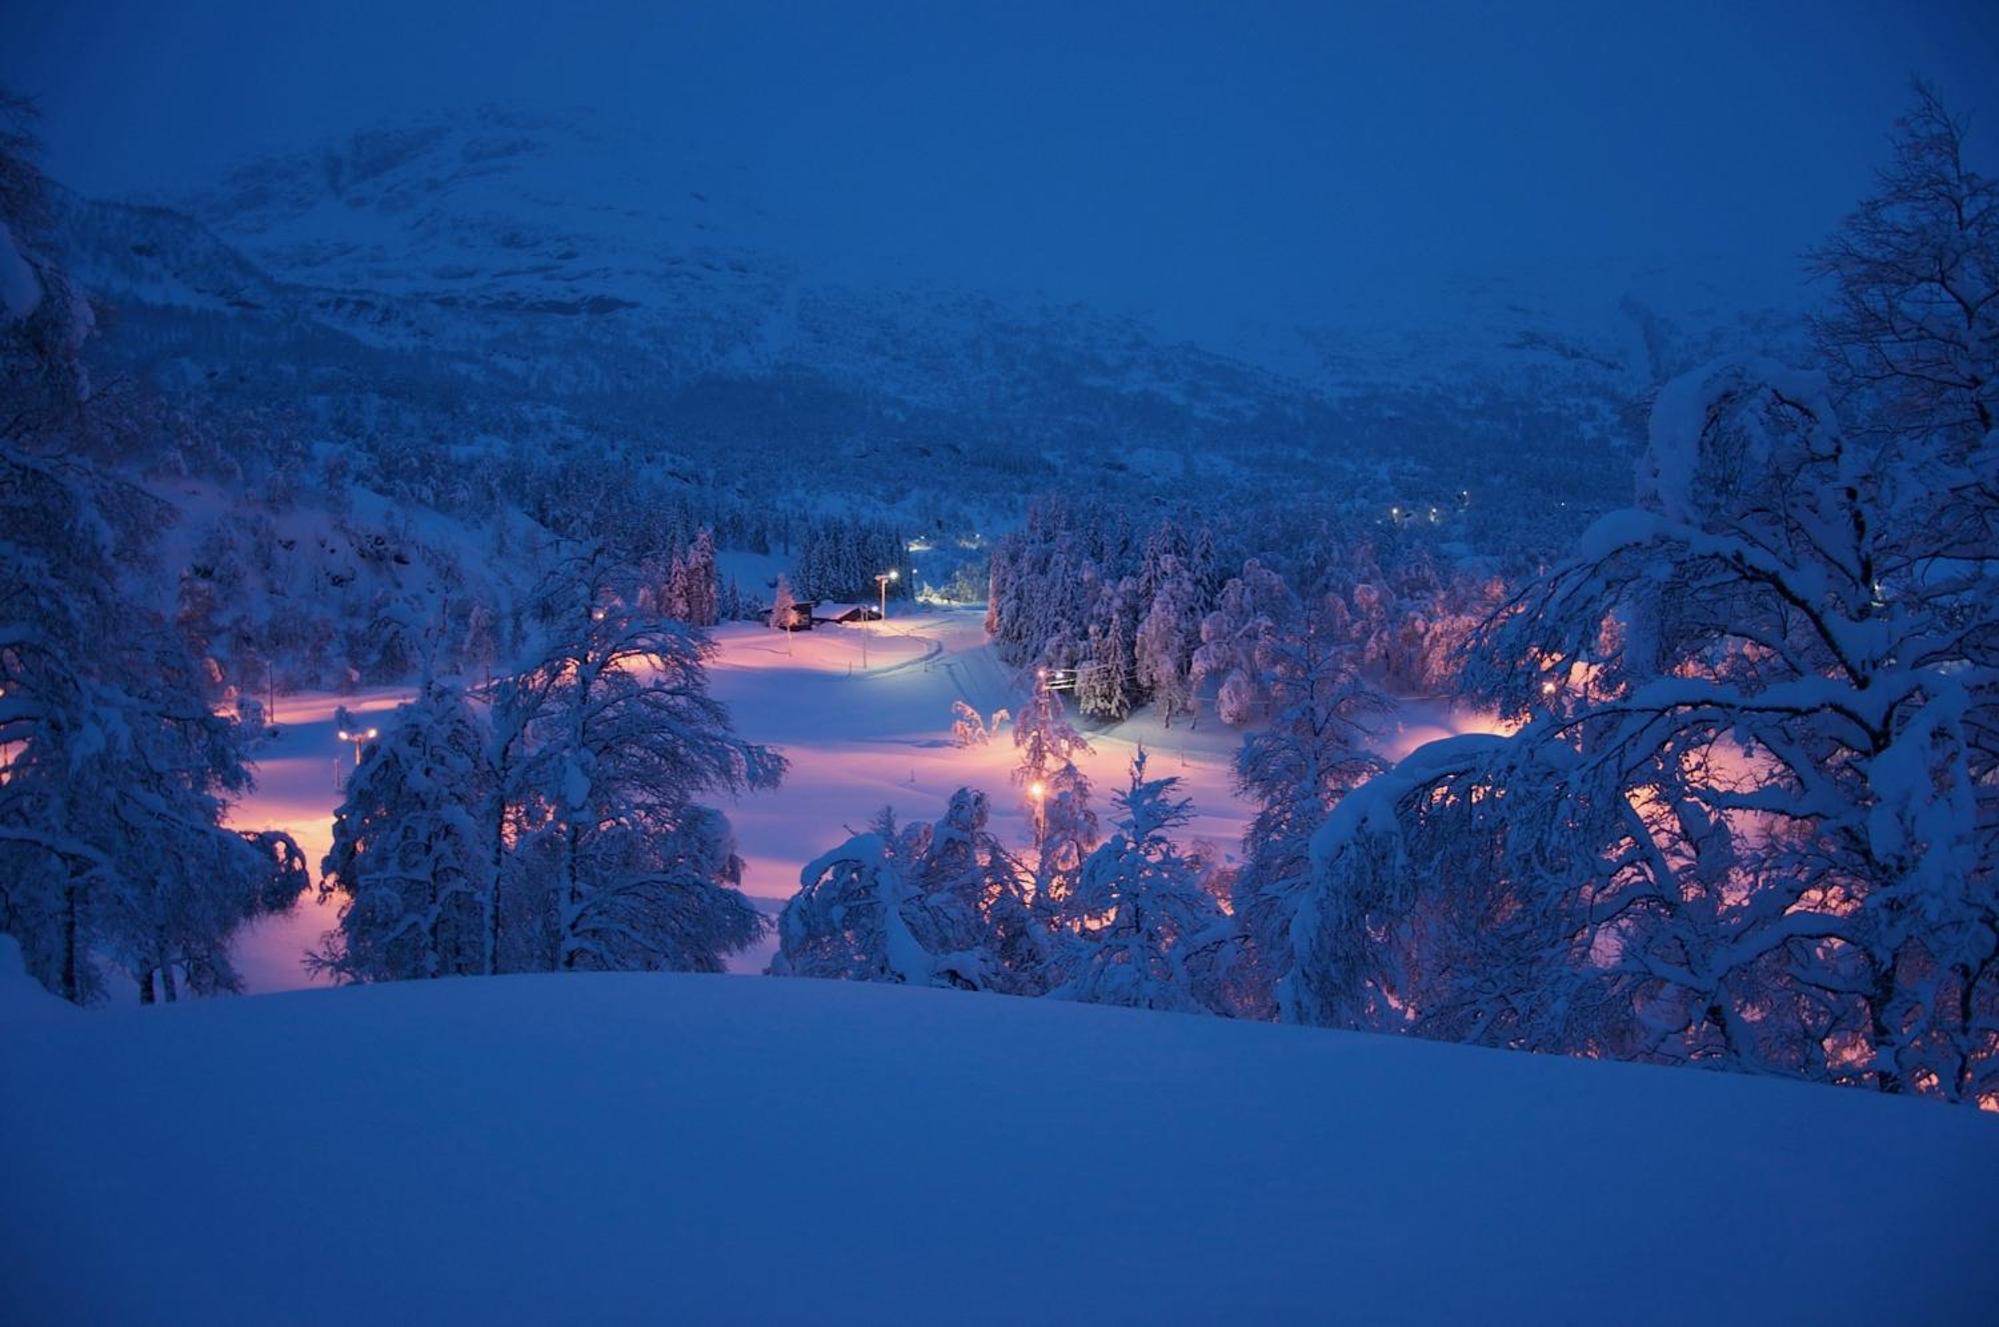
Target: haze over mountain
1262	164
485	270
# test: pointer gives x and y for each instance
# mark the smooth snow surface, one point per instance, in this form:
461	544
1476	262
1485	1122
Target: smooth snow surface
686	1149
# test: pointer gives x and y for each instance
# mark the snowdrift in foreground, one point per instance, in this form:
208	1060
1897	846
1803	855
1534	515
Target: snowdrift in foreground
689	1149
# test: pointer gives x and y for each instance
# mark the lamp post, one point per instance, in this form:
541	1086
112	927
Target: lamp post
358	737
881	583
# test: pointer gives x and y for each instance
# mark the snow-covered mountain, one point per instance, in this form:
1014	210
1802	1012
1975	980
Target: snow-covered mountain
469	273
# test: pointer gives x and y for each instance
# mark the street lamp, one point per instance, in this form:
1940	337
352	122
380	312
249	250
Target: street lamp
358	737
881	583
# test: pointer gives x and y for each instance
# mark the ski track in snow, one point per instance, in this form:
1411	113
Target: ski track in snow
859	736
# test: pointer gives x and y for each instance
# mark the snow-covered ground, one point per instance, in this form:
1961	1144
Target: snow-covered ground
863	714
631	1148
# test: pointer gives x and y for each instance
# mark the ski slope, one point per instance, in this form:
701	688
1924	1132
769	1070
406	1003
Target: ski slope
627	1148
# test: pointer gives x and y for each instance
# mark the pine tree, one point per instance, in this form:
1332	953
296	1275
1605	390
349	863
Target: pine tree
783	605
117	769
673	593
1105	689
1164	646
1316	749
699	594
1235	638
1044	737
1149	927
862	914
408	859
965	861
1064	832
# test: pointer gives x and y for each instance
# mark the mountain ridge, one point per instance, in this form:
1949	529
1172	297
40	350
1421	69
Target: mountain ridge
437	261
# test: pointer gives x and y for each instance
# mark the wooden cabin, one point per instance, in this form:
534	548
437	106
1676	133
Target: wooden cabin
801	615
846	615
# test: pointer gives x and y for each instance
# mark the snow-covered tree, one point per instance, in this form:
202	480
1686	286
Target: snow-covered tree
511	820
1149	928
1065	829
1295	771
1044	737
963	859
116	771
969	728
624	737
1164	647
926	904
783	604
862	913
1760	710
1913	330
693	591
1749	815
672	597
1105	685
1234	637
409	860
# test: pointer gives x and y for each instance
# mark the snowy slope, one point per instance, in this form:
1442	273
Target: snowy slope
687	1149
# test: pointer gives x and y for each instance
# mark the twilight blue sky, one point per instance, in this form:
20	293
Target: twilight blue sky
1203	161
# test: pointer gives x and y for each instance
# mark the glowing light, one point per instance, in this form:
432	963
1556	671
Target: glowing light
358	738
1547	688
1037	790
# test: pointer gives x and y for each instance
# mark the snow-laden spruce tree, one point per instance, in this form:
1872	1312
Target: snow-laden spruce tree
704	582
1749	819
1234	638
866	912
1107	683
1149	933
924	904
963	859
624	735
1063	829
115	770
1044	737
1164	646
783	606
411	860
1295	771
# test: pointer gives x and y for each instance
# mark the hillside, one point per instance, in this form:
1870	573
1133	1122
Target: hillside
492	274
735	1149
